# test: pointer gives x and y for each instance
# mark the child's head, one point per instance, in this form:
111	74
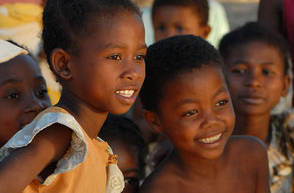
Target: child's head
127	142
178	17
256	67
23	92
96	49
186	97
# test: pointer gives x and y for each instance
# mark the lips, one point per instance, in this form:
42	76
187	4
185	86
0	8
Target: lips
211	139
127	95
252	99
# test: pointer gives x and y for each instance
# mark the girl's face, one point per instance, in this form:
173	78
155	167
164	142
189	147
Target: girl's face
109	69
23	94
196	113
256	79
128	164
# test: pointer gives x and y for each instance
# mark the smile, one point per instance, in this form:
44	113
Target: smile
125	93
211	139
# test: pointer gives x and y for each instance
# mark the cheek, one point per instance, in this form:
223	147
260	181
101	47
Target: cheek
228	117
9	124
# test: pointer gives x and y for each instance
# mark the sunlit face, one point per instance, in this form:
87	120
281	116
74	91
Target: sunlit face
177	20
109	69
23	94
128	164
196	113
256	79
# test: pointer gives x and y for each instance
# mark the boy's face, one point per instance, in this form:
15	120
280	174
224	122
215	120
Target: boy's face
23	94
109	69
196	113
177	20
128	164
255	74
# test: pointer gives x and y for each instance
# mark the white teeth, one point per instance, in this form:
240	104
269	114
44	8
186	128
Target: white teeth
125	93
211	139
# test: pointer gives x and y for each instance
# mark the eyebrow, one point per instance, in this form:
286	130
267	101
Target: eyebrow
222	89
238	61
16	81
10	81
131	171
111	45
185	101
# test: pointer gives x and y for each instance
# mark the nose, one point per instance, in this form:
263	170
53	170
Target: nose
35	105
210	118
253	79
133	70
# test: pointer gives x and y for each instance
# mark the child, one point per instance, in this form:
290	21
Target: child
23	92
127	142
178	17
191	105
96	49
256	66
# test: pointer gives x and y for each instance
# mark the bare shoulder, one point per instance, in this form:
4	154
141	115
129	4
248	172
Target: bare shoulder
160	181
247	148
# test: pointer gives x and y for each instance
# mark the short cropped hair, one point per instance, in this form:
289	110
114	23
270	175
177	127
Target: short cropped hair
168	58
251	32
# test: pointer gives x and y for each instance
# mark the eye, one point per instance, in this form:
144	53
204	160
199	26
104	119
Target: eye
266	72
140	57
239	71
179	28
42	92
222	103
114	57
161	28
13	96
132	181
191	113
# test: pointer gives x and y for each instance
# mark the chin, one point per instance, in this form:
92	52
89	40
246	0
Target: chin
121	110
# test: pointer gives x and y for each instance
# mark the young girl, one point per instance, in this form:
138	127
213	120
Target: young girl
127	142
96	49
257	70
23	92
187	99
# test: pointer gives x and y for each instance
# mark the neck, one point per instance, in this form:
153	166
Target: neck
257	125
192	166
89	118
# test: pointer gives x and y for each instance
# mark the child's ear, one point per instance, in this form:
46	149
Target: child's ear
286	85
153	121
60	63
206	31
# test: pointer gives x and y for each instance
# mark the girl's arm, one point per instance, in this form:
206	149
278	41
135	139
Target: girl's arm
21	166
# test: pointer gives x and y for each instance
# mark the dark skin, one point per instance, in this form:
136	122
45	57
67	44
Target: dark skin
256	79
112	74
127	163
23	94
199	124
178	20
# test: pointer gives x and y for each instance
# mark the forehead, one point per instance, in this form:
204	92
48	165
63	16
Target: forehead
197	83
119	28
182	12
127	159
255	52
19	67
